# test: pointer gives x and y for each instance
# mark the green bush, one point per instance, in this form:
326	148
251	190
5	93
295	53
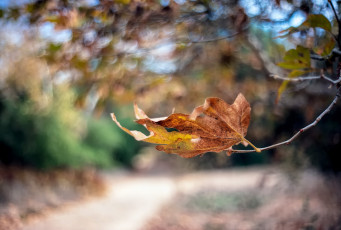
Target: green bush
56	136
40	140
110	141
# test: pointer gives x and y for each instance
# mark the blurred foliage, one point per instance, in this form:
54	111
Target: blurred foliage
40	140
40	125
324	153
45	140
108	141
99	55
124	50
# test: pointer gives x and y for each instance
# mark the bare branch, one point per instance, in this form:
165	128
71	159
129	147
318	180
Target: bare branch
214	39
299	79
337	51
335	14
210	40
327	110
188	41
338	23
318	57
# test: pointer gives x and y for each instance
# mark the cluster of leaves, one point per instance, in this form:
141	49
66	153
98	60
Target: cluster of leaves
299	60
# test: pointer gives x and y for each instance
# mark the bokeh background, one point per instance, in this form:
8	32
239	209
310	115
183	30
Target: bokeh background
66	65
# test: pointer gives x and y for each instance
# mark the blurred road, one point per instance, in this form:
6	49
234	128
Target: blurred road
129	203
133	200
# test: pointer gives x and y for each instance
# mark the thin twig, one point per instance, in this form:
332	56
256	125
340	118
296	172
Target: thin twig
337	52
143	50
327	110
298	79
320	58
211	40
336	16
338	23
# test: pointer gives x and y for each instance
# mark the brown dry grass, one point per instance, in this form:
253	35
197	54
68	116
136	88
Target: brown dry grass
311	201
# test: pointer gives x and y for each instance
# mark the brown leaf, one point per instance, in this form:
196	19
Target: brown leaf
236	116
212	127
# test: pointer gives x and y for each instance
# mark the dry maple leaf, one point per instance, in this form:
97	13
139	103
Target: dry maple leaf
212	127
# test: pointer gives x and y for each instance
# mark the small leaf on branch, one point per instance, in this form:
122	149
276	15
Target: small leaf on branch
212	127
318	21
312	21
298	58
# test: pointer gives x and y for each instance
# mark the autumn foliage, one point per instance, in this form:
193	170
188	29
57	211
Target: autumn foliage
213	127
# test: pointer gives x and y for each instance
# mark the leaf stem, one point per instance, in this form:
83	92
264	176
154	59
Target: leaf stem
255	148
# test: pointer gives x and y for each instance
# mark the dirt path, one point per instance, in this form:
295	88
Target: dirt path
129	203
132	200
